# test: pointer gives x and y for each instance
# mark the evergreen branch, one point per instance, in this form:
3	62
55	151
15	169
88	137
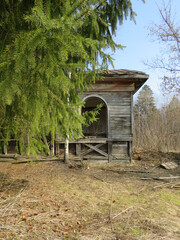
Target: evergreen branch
75	7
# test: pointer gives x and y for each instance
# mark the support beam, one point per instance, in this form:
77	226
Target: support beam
57	149
78	149
130	150
109	151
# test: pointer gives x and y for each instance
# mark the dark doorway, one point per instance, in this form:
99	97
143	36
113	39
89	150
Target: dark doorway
98	129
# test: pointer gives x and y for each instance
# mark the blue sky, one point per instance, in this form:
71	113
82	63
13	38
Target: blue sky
139	45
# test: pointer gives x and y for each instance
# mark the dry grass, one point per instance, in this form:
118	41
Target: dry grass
50	201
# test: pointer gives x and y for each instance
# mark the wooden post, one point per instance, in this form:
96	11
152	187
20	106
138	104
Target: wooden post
78	149
19	147
132	120
109	151
57	149
130	150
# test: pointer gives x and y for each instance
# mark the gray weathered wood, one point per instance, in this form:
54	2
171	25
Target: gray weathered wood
110	151
169	165
111	87
85	152
119	149
123	138
90	157
95	148
78	149
131	112
130	150
92	140
116	117
57	148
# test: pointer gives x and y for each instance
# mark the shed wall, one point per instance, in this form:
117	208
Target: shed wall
119	112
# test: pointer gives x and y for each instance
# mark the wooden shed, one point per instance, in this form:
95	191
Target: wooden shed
110	138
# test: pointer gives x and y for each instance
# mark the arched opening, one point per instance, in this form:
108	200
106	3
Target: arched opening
99	128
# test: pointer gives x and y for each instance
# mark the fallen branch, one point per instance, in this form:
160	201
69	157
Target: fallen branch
161	178
7	160
128	171
37	160
173	177
110	208
8	156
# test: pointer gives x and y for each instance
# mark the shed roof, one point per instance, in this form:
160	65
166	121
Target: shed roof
124	76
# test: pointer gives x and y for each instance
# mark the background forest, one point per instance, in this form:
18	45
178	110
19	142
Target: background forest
156	128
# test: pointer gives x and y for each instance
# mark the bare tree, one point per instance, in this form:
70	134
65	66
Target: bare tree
156	129
168	35
161	130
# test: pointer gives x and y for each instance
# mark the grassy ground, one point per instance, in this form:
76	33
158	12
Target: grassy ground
48	200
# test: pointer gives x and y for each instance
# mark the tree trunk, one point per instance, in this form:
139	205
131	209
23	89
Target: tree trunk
66	151
46	143
5	148
52	147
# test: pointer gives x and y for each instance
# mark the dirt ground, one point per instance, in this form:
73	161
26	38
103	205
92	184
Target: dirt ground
49	200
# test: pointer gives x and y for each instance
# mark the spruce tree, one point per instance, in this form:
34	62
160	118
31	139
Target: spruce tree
145	119
50	51
145	104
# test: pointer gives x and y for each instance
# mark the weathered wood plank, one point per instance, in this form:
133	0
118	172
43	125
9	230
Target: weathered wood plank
8	155
110	151
130	150
97	149
78	149
131	111
91	140
120	137
85	152
120	149
111	88
89	157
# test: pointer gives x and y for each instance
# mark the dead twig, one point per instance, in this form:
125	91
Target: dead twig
110	208
161	185
125	210
97	178
11	204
